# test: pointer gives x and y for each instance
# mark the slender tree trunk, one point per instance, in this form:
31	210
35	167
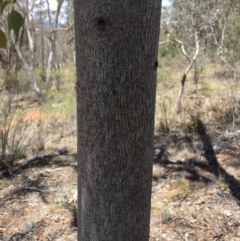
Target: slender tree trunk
52	47
190	65
42	47
30	68
32	59
116	58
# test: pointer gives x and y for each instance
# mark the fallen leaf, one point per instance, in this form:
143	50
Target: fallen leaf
3	230
192	232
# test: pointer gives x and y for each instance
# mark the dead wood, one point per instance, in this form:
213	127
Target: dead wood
12	170
9	168
191	63
34	189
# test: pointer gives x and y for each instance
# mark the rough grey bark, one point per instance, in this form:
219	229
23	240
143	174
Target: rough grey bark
116	58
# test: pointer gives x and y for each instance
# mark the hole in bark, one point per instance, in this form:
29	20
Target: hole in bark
155	64
101	23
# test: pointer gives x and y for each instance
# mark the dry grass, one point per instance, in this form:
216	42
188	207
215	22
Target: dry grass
213	100
195	199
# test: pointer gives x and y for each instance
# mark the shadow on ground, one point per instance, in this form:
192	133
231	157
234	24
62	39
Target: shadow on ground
35	182
194	169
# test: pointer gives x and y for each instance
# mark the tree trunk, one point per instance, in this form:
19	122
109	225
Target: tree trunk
52	46
116	58
190	65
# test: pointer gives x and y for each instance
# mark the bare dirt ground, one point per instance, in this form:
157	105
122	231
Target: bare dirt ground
195	195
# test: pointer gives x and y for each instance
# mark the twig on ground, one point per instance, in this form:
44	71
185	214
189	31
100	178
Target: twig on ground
156	188
9	168
35	189
61	151
11	171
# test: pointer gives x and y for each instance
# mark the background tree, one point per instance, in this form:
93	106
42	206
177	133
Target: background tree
52	46
116	59
199	28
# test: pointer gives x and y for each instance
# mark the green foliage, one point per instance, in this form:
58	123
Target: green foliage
59	103
167	50
12	133
232	41
164	74
4	3
15	21
3	40
214	25
167	216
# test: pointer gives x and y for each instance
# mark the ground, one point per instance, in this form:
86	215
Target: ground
195	186
195	194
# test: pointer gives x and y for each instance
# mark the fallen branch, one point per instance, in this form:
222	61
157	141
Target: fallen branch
12	170
158	187
61	151
34	189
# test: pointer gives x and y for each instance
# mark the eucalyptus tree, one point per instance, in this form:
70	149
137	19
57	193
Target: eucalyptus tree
116	60
197	26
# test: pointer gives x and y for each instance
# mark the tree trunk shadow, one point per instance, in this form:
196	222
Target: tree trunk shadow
214	167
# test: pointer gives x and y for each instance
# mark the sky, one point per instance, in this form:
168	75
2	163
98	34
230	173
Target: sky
166	2
53	6
53	3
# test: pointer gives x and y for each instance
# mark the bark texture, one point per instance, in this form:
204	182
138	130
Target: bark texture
116	57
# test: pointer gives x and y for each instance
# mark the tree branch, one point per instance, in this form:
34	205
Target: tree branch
184	78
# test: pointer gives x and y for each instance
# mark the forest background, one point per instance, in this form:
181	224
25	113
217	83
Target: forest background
197	96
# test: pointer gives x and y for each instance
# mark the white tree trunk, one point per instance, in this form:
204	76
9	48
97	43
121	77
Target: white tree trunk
30	68
52	38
